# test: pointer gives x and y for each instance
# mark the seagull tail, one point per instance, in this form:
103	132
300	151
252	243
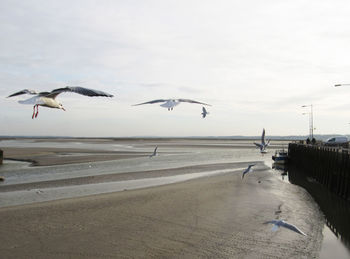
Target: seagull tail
274	228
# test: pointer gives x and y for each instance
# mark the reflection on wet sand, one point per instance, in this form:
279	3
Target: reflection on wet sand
335	209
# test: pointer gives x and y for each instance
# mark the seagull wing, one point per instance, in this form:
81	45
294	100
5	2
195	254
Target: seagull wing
24	91
293	228
271	222
274	228
245	171
268	143
263	137
258	145
78	90
33	100
191	101
154	101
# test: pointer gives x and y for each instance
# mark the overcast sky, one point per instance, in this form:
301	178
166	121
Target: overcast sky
256	62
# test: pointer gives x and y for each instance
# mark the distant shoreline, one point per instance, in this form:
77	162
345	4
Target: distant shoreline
236	137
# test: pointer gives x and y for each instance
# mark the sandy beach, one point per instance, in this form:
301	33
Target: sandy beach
218	216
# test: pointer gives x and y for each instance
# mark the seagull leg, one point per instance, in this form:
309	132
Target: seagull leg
33	112
37	111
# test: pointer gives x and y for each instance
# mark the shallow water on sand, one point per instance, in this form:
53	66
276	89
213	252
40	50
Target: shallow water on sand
336	232
172	154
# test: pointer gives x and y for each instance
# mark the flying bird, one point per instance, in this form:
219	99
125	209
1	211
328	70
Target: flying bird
248	170
154	152
171	103
48	99
282	223
204	112
263	145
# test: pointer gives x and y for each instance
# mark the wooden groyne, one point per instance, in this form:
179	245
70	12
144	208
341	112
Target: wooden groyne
1	156
326	165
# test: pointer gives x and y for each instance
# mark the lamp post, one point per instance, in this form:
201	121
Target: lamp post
311	120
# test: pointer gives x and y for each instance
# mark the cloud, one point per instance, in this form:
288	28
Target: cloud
250	60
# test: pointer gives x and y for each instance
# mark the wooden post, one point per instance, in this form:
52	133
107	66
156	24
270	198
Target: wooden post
1	156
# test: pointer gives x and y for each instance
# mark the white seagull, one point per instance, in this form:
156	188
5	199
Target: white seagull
154	152
248	170
170	103
263	145
48	99
282	223
204	112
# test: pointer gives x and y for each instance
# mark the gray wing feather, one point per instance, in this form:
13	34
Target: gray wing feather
154	101
24	91
263	137
191	101
78	90
271	222
293	228
258	145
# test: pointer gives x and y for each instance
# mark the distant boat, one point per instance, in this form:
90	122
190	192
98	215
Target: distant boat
280	156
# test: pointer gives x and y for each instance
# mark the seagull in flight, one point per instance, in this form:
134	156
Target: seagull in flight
263	145
204	112
48	99
154	152
340	85
171	103
248	170
282	223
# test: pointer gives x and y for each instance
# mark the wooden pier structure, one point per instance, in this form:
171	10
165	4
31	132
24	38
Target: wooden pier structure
329	166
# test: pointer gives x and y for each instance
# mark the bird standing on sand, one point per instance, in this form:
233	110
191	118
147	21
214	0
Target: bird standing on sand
248	170
282	223
263	145
204	112
48	99
154	152
171	103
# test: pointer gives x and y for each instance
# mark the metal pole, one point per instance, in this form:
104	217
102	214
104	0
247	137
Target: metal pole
312	123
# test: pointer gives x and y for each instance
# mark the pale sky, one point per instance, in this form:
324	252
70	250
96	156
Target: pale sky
256	62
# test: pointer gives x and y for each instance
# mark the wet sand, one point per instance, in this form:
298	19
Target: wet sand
219	216
62	156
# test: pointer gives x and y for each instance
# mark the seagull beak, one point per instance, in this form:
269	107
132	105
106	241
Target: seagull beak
63	109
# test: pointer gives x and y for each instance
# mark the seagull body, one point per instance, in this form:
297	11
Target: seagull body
263	145
48	99
282	223
248	170
154	152
204	112
170	103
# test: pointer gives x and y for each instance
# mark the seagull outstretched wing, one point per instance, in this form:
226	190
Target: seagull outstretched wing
78	90
282	223
154	101
191	101
24	91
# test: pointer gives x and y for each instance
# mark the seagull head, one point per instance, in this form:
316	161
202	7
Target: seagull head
60	106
